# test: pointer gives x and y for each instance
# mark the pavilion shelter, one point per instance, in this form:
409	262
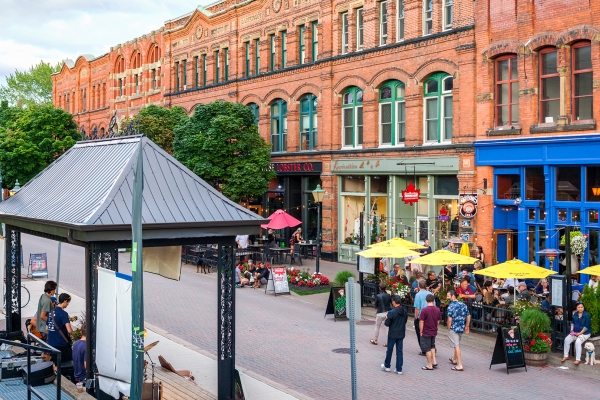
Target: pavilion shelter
85	198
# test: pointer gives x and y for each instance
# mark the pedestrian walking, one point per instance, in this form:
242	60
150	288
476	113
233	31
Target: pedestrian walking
383	303
396	322
458	323
428	326
419	304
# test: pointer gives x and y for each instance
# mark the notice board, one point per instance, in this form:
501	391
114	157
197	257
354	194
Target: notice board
509	348
39	265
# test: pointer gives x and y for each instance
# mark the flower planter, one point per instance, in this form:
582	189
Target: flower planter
536	359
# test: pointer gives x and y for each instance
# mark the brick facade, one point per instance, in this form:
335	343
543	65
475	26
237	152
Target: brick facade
227	26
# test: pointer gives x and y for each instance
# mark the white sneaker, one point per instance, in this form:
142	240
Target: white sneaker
383	368
398	372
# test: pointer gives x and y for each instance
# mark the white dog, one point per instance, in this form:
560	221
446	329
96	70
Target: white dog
590	353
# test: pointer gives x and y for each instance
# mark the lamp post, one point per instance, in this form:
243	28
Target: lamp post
318	194
15	189
551	255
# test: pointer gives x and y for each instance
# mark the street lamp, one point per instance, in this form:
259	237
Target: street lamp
318	194
15	189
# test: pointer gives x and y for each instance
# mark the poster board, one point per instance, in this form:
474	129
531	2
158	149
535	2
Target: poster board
336	304
366	265
278	282
509	348
558	285
38	265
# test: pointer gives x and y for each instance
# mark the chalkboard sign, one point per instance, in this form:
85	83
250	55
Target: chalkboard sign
558	285
336	304
279	278
509	348
366	265
38	264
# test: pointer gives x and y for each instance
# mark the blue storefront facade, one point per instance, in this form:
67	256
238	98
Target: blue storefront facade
542	185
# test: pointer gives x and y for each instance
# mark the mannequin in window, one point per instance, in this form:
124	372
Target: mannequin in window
454	226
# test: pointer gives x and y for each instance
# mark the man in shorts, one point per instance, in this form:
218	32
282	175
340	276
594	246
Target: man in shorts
458	323
429	319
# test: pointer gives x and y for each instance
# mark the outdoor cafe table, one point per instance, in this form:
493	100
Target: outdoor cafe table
304	248
281	251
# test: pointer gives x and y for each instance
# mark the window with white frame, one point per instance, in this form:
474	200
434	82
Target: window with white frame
438	108
400	21
427	17
352	117
383	23
359	29
447	9
392	119
344	32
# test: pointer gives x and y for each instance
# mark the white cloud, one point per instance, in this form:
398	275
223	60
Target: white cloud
52	30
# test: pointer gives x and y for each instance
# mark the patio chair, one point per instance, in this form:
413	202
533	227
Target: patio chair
295	255
269	256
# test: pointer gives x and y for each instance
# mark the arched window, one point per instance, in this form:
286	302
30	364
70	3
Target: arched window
120	65
278	126
438	108
582	82
153	54
308	122
549	86
352	117
392	129
256	111
136	60
507	91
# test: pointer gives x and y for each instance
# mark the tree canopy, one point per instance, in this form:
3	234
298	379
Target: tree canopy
30	87
31	139
220	143
158	123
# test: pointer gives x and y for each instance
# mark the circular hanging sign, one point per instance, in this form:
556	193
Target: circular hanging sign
468	205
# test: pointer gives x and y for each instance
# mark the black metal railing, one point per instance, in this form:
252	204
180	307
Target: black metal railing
41	346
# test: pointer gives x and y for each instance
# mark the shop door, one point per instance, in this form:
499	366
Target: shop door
423	233
505	246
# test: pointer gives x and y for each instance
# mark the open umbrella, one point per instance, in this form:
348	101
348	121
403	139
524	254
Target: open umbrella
456	240
399	242
387	252
593	270
280	219
464	250
445	257
516	269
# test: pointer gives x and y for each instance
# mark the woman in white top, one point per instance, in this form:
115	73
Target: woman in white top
593	283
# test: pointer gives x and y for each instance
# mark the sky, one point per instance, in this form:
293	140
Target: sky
52	30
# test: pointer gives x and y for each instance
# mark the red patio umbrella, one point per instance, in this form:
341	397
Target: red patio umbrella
280	219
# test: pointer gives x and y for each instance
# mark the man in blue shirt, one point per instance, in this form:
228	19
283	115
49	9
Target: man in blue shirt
59	329
79	361
419	304
458	323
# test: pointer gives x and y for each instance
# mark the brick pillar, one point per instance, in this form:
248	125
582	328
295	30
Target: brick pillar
370	118
264	56
293	125
414	112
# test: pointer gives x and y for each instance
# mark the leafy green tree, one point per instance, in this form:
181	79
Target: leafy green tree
30	87
158	123
220	143
34	139
7	113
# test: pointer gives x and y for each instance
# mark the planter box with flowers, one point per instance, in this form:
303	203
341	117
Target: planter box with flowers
535	326
307	283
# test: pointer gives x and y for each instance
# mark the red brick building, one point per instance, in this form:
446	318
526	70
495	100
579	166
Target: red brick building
538	80
364	98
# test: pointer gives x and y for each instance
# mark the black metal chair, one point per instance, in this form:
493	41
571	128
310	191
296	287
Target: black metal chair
294	255
269	255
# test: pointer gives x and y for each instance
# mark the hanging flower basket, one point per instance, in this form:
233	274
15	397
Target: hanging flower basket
578	245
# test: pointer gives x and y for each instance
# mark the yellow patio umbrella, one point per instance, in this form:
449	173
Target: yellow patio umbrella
593	270
445	257
399	242
464	250
516	269
387	252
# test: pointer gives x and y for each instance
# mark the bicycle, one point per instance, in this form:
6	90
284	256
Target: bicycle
25	297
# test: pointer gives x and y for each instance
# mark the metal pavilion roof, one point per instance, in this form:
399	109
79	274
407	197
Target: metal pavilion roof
88	191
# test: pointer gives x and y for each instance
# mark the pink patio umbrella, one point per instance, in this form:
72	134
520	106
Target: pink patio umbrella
280	219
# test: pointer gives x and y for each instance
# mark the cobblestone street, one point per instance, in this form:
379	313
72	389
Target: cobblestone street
286	339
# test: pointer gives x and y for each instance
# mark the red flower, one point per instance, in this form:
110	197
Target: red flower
310	284
526	348
533	342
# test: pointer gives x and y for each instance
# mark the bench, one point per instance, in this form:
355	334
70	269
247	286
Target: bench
176	387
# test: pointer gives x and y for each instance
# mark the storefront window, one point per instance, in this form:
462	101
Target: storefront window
568	184
446	186
379	184
531	242
423	185
531	214
354	184
592	175
508	186
593	247
353	205
534	183
575	216
446	221
593	217
377	219
562	215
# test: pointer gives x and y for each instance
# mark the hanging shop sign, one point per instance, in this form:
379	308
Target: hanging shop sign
443	216
411	194
468	205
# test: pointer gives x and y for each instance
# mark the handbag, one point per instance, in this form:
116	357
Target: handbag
69	340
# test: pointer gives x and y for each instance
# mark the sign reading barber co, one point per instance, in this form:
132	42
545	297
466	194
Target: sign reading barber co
468	205
411	194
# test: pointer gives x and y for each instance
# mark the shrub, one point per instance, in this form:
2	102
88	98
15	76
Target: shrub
342	277
592	306
534	321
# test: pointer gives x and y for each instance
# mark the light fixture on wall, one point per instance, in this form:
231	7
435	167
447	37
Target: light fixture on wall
518	200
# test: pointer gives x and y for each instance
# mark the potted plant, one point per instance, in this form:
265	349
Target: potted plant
535	329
